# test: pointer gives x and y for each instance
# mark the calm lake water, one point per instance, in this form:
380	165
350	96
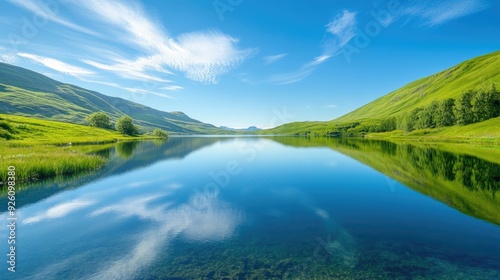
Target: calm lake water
264	208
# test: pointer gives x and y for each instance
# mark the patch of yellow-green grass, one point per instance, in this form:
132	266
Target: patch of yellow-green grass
36	131
41	149
38	162
487	132
475	74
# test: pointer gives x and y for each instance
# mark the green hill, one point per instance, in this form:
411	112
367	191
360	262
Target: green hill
476	74
27	93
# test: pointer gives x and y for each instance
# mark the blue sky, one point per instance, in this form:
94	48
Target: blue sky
239	62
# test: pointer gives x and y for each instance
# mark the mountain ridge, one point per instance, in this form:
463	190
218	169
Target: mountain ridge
28	93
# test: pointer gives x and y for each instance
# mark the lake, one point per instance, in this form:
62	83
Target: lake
265	208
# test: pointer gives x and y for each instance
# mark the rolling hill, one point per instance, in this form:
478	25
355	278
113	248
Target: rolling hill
27	93
475	74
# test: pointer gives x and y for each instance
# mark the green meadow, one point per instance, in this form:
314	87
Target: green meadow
41	149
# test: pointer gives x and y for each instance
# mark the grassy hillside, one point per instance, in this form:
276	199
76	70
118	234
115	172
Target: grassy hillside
41	149
487	131
475	74
27	93
38	131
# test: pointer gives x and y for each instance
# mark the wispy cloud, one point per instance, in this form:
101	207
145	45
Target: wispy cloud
273	58
58	65
8	58
127	69
341	30
331	106
172	88
201	56
59	211
214	224
145	91
50	13
433	13
291	77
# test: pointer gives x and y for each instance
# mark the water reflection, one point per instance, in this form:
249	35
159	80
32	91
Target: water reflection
126	149
466	182
287	214
214	224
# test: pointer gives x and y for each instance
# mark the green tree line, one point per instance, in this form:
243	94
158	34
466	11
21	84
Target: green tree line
471	107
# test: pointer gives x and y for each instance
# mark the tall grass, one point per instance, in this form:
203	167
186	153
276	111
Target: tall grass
34	163
42	149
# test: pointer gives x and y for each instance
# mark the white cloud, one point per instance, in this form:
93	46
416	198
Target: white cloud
331	106
59	211
126	69
293	77
49	11
343	28
58	65
172	88
144	91
8	58
434	13
216	223
273	58
201	56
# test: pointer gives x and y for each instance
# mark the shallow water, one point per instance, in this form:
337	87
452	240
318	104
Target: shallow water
264	208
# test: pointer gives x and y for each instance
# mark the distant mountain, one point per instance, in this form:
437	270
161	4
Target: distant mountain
249	129
27	93
475	74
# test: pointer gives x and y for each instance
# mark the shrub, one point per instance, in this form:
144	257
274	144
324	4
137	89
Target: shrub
99	119
125	126
160	133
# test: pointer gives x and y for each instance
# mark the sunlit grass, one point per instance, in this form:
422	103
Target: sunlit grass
38	162
41	149
483	132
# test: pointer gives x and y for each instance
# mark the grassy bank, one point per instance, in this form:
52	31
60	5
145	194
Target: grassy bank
487	132
41	149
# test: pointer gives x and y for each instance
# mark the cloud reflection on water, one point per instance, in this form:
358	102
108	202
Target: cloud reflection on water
218	222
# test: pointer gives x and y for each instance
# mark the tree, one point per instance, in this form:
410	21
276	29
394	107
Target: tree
388	124
496	101
483	107
160	133
444	115
417	118
125	126
98	119
428	115
463	108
